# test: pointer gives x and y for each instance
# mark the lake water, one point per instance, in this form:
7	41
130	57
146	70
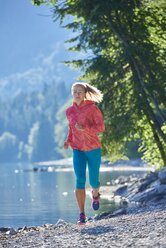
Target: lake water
29	198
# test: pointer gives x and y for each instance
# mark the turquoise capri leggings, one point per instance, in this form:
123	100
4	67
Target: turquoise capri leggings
80	161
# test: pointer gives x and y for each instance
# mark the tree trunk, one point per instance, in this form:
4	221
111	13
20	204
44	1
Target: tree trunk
158	143
140	84
148	111
149	116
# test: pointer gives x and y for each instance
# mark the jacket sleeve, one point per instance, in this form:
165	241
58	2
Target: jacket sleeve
97	125
69	136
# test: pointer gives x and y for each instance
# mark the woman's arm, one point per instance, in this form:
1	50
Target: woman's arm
69	138
97	125
69	135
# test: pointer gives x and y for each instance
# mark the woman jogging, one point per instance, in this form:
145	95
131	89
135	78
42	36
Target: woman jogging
85	122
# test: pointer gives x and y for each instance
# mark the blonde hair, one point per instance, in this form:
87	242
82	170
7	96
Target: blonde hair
92	93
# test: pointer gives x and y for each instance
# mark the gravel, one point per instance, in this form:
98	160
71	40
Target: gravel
146	228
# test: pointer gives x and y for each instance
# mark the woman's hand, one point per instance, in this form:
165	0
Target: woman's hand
66	145
79	127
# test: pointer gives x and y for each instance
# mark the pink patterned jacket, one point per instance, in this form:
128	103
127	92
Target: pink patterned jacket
90	117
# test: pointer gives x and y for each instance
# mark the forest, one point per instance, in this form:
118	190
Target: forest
32	124
124	43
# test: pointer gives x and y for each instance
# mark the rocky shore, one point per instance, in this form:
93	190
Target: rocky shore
141	222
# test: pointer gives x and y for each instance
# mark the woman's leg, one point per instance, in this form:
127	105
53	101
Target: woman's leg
94	160
79	162
81	196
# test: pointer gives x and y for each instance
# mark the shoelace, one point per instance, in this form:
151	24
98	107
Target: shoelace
82	216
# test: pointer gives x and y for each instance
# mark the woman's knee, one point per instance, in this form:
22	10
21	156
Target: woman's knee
94	184
80	184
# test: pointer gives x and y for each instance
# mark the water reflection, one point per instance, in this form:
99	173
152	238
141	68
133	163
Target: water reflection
30	198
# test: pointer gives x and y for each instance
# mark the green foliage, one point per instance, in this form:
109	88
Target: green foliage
148	145
27	124
125	46
38	2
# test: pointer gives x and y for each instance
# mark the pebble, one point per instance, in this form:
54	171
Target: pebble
142	225
138	229
11	232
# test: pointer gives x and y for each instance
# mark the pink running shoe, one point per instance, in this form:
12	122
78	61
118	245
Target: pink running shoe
96	202
82	219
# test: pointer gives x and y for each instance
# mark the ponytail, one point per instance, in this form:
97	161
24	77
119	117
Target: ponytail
92	93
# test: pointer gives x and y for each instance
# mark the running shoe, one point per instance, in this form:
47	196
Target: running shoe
82	219
96	202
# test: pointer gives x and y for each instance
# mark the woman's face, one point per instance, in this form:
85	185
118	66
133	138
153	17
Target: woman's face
78	93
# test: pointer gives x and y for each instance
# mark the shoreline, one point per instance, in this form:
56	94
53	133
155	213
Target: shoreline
145	228
140	222
102	169
106	195
121	165
106	163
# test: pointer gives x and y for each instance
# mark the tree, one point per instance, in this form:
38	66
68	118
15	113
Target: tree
41	141
125	43
8	147
60	130
19	113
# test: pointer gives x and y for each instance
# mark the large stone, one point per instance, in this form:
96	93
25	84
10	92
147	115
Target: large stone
150	178
144	196
118	212
162	176
4	229
121	190
12	231
61	222
161	189
149	194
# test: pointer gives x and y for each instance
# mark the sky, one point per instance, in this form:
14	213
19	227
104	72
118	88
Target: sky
31	44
